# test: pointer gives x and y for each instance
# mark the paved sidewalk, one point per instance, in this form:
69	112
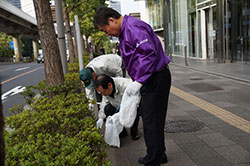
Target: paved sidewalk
238	71
216	95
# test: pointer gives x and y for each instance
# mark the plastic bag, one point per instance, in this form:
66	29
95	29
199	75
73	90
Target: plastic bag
112	130
128	109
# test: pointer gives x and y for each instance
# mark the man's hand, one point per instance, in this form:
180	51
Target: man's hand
99	123
133	88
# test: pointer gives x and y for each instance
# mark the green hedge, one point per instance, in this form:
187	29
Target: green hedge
57	130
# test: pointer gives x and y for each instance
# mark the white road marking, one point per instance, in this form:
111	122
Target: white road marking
12	92
23	68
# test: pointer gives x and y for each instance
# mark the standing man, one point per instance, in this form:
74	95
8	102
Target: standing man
146	63
112	90
109	64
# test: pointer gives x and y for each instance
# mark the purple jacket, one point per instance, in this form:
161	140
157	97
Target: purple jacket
141	49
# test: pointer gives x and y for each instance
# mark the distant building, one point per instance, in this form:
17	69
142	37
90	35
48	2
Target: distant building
28	7
16	3
204	29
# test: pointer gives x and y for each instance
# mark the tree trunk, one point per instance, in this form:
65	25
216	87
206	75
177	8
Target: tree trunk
75	41
69	36
52	61
2	153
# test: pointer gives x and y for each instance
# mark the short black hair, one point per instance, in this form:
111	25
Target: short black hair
103	80
102	14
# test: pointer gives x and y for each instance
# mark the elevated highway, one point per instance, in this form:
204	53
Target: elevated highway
15	22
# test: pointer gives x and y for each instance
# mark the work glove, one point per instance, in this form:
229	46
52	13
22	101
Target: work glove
91	106
133	88
99	123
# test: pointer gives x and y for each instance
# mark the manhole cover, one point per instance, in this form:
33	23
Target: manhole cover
183	126
202	87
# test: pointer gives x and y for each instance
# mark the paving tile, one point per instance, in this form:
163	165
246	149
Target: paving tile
177	112
179	159
234	154
246	164
199	113
184	117
223	104
227	130
243	141
210	120
216	140
171	146
169	118
184	105
111	155
123	160
204	130
184	138
203	155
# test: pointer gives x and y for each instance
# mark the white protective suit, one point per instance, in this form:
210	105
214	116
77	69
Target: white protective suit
109	64
120	86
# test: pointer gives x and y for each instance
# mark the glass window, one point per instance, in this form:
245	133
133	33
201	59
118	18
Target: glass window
199	1
155	8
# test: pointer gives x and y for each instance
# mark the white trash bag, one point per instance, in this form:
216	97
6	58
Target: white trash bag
112	130
128	109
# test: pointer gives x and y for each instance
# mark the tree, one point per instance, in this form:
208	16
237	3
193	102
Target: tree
99	39
72	55
2	153
52	61
5	52
85	10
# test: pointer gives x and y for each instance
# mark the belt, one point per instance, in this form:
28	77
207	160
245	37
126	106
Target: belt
163	68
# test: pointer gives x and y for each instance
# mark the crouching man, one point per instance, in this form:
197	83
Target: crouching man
112	90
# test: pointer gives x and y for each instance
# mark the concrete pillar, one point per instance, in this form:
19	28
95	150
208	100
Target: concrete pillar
35	49
203	35
220	41
17	49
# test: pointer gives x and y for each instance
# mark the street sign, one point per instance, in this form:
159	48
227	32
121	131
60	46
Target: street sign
11	45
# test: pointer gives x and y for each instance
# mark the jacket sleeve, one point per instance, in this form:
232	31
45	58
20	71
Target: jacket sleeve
90	93
101	114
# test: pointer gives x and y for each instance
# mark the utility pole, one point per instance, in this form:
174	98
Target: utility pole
61	34
220	41
79	42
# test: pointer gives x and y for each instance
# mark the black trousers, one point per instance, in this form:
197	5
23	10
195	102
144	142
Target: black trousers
153	109
109	110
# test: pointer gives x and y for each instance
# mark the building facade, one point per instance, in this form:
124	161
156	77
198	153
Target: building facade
205	29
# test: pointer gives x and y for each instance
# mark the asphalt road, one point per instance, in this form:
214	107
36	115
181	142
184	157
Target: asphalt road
14	78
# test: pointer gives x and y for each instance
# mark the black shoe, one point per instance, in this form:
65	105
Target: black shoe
136	137
164	160
141	160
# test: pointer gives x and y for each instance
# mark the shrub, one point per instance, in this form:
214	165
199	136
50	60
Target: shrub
57	130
